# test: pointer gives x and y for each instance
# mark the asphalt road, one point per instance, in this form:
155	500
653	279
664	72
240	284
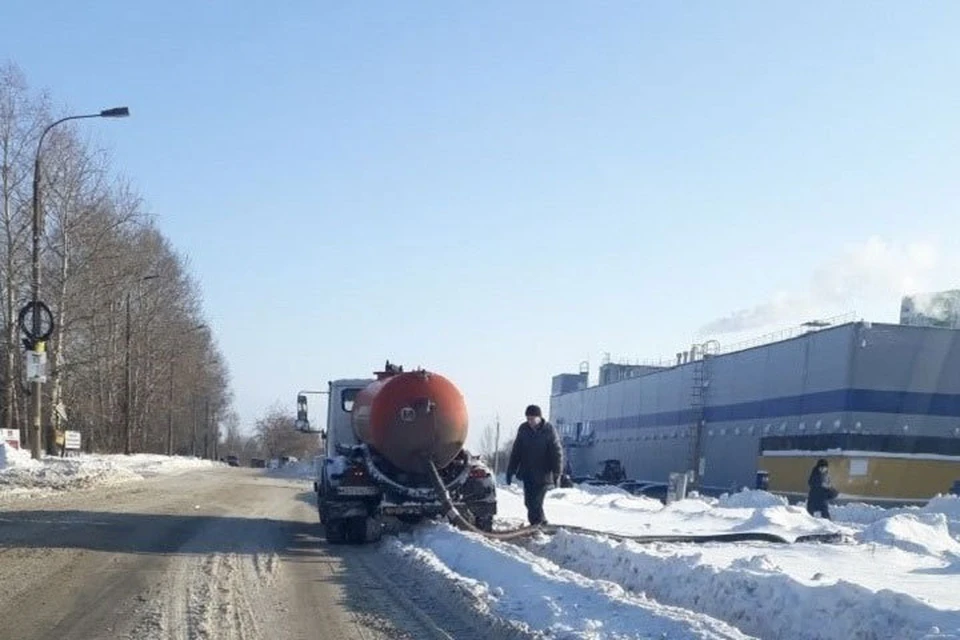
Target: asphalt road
225	554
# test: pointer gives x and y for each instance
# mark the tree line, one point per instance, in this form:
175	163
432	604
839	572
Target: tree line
123	299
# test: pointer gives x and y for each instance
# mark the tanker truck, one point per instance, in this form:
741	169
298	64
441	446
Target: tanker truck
381	435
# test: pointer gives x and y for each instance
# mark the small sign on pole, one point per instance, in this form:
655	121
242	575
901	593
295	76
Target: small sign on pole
676	487
36	366
11	437
71	440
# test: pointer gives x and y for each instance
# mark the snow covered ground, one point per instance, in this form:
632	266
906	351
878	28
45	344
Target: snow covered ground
897	575
20	475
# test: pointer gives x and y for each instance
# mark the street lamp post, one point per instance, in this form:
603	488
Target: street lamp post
37	345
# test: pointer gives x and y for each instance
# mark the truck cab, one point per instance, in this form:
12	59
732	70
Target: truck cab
339	429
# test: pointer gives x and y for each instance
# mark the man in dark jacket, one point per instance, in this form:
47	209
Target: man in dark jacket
821	490
537	459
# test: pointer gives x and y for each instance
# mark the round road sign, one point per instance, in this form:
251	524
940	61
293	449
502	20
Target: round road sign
36	314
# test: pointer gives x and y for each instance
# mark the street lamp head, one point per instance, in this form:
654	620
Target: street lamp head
116	112
150	277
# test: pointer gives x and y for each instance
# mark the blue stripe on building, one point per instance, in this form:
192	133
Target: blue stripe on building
836	401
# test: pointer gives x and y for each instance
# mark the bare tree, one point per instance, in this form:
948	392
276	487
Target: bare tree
22	118
103	262
488	445
278	437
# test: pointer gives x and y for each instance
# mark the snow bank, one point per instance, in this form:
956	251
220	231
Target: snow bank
751	499
12	457
21	475
753	593
537	595
865	514
923	533
298	470
600	489
859	513
788	522
625	514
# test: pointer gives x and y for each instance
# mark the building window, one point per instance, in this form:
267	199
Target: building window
859	467
347	398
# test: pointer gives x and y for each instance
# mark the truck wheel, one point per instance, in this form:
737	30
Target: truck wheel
484	523
366	530
335	531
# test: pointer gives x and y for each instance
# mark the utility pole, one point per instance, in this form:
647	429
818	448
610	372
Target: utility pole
496	449
173	365
128	384
127	387
193	442
170	411
206	429
215	436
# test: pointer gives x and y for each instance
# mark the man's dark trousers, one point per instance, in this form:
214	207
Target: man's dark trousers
533	495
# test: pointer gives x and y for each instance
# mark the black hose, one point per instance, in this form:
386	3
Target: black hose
452	514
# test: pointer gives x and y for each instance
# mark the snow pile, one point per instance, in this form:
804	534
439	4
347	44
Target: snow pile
923	533
535	594
13	457
294	470
601	489
615	511
895	577
615	498
949	506
751	499
865	514
859	513
752	591
787	522
25	476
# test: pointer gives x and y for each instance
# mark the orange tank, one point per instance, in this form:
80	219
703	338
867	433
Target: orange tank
411	417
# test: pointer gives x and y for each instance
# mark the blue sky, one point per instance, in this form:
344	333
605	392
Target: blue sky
500	190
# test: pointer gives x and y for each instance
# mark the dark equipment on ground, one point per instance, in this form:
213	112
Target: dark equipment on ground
612	472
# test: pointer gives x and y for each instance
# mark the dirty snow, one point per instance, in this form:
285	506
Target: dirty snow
304	469
804	591
509	582
20	475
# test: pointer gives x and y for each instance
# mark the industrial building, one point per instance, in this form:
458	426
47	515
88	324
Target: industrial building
880	401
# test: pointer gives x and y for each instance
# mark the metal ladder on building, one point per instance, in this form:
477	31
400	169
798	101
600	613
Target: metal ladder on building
697	405
701	355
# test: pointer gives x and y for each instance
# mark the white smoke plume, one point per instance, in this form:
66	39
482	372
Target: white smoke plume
864	271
